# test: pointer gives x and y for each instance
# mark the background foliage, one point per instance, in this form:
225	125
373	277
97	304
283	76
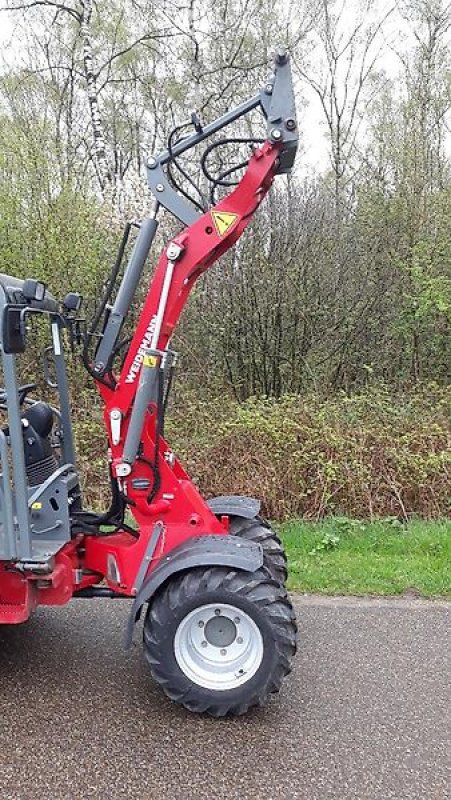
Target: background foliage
334	311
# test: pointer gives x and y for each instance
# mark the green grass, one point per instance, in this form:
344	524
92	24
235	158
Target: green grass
344	556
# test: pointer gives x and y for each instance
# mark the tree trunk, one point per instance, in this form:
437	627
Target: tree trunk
100	158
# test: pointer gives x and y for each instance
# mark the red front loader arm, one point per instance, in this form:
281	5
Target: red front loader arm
166	505
177	503
201	244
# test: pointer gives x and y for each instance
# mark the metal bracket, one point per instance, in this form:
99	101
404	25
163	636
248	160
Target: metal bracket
167	196
277	103
279	107
115	425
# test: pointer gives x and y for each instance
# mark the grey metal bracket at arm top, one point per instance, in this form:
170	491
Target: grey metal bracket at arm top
277	103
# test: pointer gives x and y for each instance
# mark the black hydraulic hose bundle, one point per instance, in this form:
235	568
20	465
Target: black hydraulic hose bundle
215	181
202	206
111	516
219	180
90	522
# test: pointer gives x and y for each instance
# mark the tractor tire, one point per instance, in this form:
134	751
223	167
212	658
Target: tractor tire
219	641
257	530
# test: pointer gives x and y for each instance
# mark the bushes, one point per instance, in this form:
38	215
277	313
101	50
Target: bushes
369	455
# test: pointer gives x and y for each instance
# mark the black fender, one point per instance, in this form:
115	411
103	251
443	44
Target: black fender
234	505
200	551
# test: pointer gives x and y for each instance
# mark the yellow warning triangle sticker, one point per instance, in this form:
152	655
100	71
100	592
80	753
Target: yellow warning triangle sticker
223	221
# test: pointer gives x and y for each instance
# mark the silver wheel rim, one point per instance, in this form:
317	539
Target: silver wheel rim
218	646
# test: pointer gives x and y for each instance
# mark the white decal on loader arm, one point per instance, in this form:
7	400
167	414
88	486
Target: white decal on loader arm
141	352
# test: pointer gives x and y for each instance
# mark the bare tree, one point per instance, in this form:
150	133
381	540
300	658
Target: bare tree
79	13
346	43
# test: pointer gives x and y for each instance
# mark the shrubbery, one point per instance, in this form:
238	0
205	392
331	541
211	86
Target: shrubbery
368	455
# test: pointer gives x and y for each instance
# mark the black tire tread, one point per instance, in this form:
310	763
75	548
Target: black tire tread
257	588
259	531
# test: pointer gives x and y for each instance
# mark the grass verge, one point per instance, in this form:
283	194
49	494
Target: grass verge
345	556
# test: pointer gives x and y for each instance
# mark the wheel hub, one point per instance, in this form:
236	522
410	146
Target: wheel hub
220	631
218	646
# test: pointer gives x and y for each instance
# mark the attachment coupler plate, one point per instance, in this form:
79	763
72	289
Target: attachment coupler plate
279	107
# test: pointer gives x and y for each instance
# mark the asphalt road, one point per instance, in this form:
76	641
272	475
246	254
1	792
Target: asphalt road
365	713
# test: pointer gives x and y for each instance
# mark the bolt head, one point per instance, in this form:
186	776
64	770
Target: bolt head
237	620
290	124
204	643
223	651
217	611
159	187
268	88
122	470
275	134
239	640
201	623
151	162
173	251
281	55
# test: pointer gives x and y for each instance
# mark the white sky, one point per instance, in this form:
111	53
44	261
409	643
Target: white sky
396	37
